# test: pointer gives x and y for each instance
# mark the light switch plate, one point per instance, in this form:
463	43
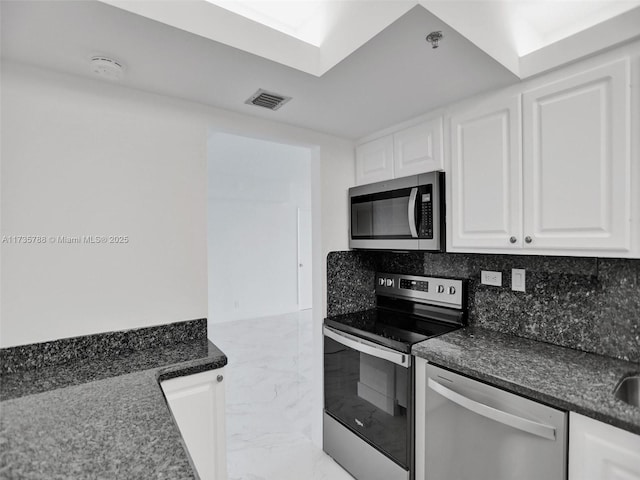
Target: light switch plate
488	277
518	279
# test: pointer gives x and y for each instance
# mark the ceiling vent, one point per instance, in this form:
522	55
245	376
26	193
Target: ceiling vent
270	100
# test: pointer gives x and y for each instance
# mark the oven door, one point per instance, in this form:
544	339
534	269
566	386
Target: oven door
367	388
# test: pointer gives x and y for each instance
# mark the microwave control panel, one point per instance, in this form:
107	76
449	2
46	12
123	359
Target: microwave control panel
426	223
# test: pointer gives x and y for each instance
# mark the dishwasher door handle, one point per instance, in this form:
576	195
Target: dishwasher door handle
529	426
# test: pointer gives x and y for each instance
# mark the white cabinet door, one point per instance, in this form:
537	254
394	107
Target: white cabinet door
576	162
197	404
418	149
484	181
374	161
598	451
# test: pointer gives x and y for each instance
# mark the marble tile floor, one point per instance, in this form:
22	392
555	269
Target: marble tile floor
269	400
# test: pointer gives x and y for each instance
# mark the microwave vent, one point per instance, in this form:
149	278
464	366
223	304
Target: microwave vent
270	100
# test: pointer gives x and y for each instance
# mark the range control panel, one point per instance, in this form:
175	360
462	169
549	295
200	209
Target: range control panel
433	290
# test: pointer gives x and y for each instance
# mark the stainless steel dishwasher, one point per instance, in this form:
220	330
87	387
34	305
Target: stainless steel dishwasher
468	430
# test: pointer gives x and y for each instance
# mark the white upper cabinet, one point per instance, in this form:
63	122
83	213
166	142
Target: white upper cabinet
576	161
484	182
418	149
411	151
553	178
374	161
598	451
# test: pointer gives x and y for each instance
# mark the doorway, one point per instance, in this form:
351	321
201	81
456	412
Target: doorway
260	257
259	227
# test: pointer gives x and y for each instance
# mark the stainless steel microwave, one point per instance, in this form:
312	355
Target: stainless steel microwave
401	214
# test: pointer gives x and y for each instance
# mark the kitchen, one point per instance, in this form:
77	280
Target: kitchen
133	186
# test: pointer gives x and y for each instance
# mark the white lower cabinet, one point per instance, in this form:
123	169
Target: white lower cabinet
598	451
197	403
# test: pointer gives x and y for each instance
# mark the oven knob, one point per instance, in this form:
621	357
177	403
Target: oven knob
389	282
381	282
452	290
440	288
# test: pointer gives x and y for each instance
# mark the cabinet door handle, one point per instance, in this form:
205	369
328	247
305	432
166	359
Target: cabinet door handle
528	239
513	239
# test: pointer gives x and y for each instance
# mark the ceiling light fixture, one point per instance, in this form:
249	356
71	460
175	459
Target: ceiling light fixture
434	38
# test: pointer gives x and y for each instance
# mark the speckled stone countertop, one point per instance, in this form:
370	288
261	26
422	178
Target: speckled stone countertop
561	377
99	419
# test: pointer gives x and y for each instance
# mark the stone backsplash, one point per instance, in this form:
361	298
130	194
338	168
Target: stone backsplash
350	282
589	304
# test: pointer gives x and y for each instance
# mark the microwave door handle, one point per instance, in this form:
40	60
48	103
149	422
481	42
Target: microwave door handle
411	212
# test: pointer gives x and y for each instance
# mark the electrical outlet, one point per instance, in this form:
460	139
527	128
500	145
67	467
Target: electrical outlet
518	279
488	277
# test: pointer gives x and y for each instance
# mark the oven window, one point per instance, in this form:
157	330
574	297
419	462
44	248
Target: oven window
370	396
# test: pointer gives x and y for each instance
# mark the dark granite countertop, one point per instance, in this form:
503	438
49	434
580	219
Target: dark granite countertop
561	377
99	418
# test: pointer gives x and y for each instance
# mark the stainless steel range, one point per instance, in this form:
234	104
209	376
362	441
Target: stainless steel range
369	377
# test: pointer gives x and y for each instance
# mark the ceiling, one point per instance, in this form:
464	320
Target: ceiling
373	69
315	35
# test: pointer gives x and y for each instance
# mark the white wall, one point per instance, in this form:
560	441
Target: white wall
85	157
76	162
255	189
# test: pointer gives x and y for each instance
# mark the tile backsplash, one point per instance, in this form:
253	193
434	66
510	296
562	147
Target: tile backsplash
590	304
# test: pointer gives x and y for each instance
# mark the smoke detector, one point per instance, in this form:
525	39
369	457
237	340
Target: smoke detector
270	100
106	67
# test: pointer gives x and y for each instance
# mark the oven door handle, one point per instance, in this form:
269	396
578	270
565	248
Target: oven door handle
370	348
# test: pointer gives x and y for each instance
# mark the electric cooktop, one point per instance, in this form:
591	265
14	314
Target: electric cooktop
409	309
